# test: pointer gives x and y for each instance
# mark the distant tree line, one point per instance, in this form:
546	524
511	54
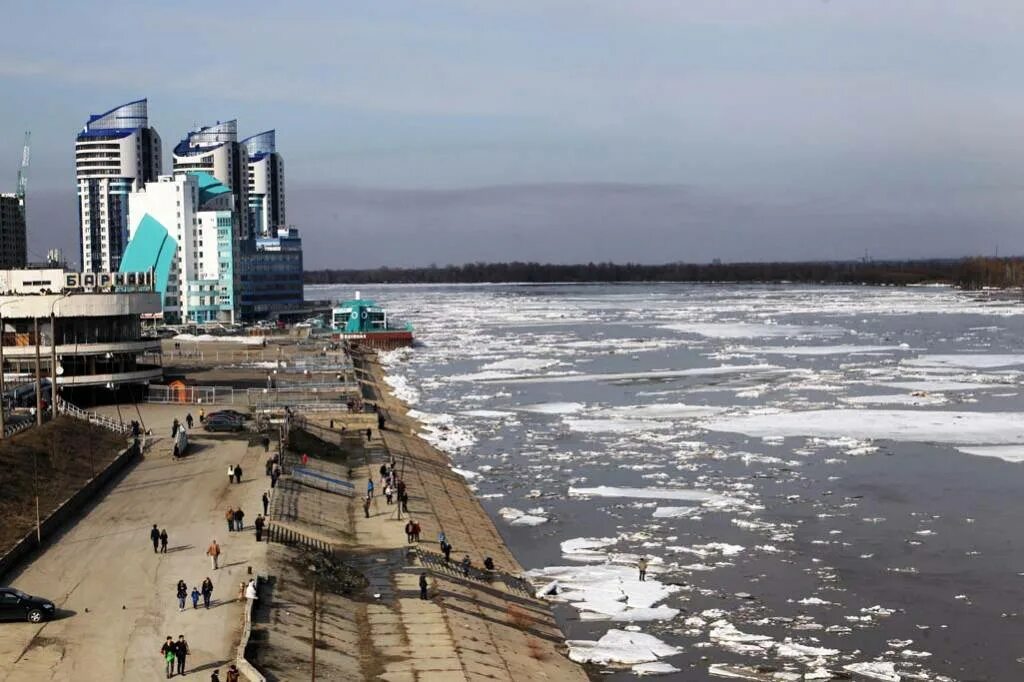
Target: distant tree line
968	273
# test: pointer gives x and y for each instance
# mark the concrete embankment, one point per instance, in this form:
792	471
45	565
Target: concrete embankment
484	626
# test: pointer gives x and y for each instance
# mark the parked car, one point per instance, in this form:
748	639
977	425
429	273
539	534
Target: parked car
229	413
224	422
16	605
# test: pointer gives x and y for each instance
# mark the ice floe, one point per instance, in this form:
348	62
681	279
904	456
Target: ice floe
750	330
606	592
620	647
517	517
928	426
685	494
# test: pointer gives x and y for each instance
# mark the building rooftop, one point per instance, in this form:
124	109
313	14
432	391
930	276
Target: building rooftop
120	121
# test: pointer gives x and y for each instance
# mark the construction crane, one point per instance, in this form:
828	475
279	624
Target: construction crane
23	171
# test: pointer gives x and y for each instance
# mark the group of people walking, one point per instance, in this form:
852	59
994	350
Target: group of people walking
174	654
159	538
235	518
273	469
205	590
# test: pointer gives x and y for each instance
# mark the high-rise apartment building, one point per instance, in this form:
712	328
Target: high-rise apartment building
182	227
266	184
216	150
13	247
115	154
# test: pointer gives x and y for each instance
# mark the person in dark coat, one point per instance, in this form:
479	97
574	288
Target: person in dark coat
366	506
405	501
188	420
447	549
167	653
163	541
207	591
239	517
154	535
182	593
181	650
273	479
408	531
258	524
266	443
380	421
238	474
174	427
423	585
369	434
466	564
266	503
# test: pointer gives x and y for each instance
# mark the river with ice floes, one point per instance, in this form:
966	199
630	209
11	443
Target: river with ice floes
825	480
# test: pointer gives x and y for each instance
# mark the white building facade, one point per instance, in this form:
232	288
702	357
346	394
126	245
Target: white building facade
215	150
266	184
115	153
198	214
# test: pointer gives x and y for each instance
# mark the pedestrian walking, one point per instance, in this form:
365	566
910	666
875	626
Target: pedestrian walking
369	434
213	551
642	567
258	524
167	653
269	466
231	473
408	531
238	474
239	519
182	593
207	591
163	541
405	502
388	493
181	650
266	503
489	563
380	421
188	420
366	506
229	516
195	597
154	535
369	487
215	676
273	479
202	415
416	530
466	564
266	443
423	585
174	428
447	549
232	673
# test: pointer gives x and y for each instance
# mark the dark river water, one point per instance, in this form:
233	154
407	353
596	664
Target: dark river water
824	480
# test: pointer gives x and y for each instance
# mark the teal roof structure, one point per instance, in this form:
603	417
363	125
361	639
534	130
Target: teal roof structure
209	187
151	248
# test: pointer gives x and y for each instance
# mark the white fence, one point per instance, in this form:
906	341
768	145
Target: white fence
193	395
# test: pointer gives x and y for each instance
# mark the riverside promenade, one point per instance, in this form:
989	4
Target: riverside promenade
115	597
494	631
475	628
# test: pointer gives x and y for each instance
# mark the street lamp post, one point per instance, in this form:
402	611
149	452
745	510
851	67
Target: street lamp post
312	568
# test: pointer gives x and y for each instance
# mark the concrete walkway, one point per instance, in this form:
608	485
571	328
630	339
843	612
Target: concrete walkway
117	598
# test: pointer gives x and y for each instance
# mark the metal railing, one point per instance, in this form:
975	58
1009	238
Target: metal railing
64	407
437	563
190	394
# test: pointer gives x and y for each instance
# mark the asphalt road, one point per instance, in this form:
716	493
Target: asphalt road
116	598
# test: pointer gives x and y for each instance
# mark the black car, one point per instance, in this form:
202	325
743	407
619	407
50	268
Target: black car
228	413
223	422
16	605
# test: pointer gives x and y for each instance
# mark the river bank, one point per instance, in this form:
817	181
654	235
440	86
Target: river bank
468	628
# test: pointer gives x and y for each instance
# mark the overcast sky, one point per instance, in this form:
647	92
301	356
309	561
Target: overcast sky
560	130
